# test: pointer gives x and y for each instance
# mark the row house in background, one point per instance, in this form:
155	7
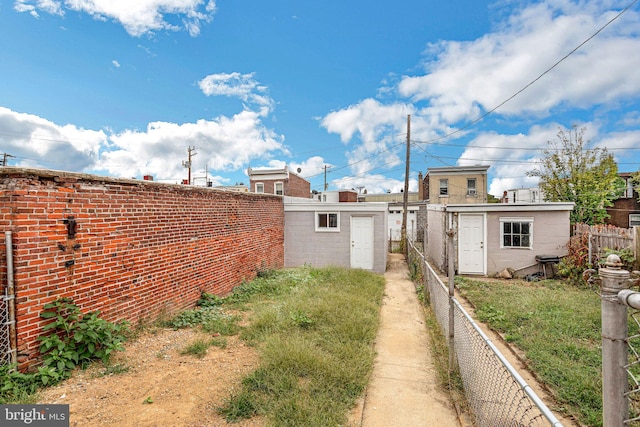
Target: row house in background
281	182
625	212
522	195
454	185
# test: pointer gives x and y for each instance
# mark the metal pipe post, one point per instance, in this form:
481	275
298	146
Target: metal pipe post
614	347
451	273
11	298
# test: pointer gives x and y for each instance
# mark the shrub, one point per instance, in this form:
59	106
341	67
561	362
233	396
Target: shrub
76	339
576	262
626	256
209	300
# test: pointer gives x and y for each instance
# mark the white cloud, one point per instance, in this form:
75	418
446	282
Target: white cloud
49	6
462	75
224	144
35	141
236	85
138	17
115	63
374	184
369	119
512	156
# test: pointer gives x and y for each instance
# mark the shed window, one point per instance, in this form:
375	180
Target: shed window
634	220
327	221
516	232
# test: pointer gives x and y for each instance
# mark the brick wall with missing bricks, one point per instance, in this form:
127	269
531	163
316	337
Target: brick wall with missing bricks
131	249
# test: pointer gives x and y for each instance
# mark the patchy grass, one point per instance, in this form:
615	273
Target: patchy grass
558	329
314	329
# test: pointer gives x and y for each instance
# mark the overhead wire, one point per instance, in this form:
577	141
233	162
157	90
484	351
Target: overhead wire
514	95
531	83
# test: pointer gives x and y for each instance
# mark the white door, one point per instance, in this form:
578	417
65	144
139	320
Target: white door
471	251
362	242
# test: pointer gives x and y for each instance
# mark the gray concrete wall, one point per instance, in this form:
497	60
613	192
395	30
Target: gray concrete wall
436	236
551	232
303	245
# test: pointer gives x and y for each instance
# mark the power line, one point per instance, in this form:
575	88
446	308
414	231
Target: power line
531	83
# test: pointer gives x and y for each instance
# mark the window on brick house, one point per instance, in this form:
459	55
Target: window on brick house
259	187
444	187
278	188
516	232
327	221
471	187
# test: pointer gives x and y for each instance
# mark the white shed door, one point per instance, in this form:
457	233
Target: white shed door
362	242
471	251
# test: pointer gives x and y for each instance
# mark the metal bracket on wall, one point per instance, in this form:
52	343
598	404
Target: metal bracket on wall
72	226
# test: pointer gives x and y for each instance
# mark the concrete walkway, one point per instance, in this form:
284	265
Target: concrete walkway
403	390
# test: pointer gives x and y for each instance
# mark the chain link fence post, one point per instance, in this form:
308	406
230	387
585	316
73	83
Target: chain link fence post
615	404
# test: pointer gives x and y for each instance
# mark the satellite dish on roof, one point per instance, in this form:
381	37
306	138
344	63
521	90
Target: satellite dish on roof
299	170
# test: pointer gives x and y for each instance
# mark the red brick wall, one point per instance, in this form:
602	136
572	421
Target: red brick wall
347	196
297	187
141	249
294	186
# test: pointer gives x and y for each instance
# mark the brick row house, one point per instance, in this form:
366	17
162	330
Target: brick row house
281	182
625	212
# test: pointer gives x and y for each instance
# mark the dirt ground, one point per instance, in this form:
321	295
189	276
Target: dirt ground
161	387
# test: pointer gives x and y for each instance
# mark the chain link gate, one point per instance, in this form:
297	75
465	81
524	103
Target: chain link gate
7	307
5	330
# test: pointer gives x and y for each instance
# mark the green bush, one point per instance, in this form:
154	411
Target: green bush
626	256
75	339
572	266
209	300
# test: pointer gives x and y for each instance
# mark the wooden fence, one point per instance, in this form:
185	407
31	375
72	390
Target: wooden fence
603	237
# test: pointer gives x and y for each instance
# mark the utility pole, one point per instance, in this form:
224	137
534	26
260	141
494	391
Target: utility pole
191	152
326	186
405	196
4	158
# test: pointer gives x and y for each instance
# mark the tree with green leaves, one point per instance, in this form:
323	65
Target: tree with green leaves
589	178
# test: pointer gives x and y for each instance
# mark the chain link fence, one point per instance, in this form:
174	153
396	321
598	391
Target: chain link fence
5	331
497	394
633	370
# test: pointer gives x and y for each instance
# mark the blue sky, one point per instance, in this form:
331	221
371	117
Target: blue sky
104	87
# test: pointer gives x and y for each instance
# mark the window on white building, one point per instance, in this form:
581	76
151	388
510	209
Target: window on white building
327	221
516	232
